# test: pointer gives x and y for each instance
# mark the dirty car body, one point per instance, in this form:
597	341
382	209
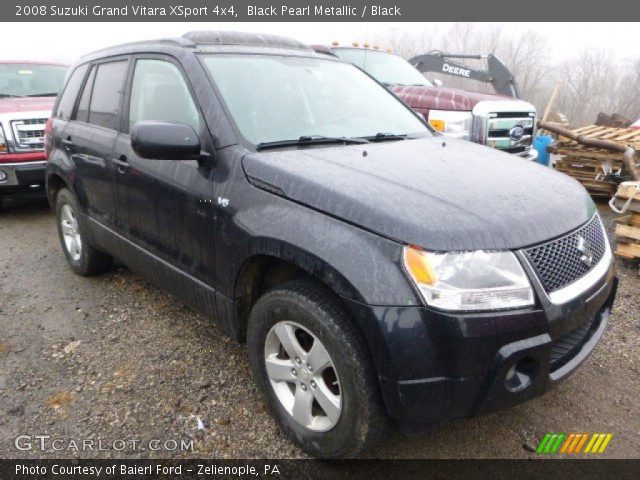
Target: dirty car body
220	228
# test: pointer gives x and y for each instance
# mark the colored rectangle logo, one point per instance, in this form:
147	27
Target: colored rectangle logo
573	443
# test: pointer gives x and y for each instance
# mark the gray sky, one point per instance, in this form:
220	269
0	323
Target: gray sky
66	42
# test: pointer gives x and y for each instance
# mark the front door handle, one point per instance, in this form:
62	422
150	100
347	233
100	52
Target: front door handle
121	164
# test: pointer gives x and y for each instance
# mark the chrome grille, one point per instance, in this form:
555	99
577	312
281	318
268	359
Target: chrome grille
29	133
559	262
501	124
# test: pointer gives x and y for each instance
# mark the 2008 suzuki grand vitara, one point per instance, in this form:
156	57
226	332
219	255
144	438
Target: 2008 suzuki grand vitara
379	272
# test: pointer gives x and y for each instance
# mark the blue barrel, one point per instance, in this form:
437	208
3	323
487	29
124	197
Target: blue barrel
540	143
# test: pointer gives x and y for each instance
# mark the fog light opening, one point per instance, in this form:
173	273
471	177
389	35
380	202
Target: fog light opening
521	375
3	176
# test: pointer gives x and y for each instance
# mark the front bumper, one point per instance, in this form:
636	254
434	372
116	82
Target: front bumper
437	366
22	177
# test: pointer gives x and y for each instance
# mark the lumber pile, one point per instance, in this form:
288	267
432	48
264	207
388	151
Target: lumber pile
593	166
627	200
589	172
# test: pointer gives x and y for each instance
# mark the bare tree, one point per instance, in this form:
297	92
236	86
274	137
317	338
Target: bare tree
627	90
407	44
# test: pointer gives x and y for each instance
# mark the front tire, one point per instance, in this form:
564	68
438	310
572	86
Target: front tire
80	254
314	371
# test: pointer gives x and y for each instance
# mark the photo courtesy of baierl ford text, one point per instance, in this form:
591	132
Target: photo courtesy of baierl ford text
320	240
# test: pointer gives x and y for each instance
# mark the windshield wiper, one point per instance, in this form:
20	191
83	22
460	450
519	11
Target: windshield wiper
54	94
382	136
7	95
311	140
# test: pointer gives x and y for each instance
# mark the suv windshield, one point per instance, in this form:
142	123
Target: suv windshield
30	80
281	98
385	67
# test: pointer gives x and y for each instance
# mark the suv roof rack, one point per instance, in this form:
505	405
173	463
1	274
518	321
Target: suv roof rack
213	37
177	41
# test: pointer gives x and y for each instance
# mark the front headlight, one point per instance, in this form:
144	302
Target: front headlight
3	142
477	280
452	123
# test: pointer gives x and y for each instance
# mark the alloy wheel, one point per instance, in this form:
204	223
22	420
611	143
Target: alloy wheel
303	376
71	232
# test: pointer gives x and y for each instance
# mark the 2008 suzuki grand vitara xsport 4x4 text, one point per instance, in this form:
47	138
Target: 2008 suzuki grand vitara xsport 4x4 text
379	273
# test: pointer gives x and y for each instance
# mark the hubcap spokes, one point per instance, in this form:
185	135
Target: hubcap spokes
70	232
303	376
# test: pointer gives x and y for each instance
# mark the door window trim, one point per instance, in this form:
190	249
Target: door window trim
96	63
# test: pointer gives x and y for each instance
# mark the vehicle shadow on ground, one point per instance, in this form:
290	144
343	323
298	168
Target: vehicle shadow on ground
25	208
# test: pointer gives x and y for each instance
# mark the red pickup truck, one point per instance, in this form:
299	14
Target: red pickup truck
499	121
27	93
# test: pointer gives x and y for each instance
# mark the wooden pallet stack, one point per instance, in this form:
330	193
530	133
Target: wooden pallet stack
627	198
588	164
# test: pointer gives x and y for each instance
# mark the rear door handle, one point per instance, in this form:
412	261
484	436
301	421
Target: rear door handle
121	164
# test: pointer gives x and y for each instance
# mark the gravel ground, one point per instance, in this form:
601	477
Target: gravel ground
112	357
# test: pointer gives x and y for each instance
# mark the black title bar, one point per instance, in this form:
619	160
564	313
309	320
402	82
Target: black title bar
115	469
320	10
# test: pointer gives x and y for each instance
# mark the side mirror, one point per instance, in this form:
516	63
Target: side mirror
437	82
165	141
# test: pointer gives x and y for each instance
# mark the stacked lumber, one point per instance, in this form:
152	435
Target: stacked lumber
588	165
589	171
627	198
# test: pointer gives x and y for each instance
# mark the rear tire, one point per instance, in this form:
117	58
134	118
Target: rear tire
311	320
80	254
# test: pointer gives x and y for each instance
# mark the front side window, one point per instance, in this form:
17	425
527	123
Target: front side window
31	80
273	98
159	92
387	68
104	107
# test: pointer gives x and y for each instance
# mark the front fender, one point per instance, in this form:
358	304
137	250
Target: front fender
353	262
359	266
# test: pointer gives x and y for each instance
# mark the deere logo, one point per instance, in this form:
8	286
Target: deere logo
574	443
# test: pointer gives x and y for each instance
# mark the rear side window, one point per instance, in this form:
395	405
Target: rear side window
71	91
159	92
82	115
104	107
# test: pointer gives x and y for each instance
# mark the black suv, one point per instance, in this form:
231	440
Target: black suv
379	272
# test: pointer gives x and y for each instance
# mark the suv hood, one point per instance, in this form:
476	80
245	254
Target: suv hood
435	193
440	98
26	104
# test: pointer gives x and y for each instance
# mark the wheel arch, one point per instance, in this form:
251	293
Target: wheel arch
56	180
266	269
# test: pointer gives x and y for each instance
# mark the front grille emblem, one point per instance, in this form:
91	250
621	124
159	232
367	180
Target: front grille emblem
516	133
584	247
